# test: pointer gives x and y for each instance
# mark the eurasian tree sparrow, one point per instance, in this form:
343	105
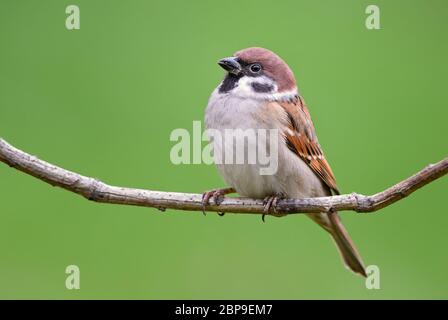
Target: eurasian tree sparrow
259	91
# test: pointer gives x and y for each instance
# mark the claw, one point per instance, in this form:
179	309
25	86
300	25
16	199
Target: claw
274	203
267	206
269	203
218	197
205	199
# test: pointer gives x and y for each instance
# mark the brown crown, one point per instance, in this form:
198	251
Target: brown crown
272	64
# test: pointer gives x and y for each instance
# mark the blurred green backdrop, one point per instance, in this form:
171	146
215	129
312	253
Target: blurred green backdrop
103	100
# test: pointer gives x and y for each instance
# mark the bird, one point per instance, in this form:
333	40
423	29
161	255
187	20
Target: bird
259	91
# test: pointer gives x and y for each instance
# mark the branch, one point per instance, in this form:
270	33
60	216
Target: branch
98	191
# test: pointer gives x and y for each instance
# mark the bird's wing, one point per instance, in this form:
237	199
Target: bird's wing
300	137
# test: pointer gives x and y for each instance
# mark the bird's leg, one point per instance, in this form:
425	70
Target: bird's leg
217	195
270	202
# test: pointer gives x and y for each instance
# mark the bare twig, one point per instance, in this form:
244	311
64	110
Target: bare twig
98	191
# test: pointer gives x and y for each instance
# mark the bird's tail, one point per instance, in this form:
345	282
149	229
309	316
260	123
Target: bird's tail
347	249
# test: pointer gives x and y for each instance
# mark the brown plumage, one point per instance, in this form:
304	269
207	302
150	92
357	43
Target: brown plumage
260	91
302	140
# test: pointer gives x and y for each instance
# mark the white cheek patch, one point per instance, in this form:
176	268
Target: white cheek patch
247	87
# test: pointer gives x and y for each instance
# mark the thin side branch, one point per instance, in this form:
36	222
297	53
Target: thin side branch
98	191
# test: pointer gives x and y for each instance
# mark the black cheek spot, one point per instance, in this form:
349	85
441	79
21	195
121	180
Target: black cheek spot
262	87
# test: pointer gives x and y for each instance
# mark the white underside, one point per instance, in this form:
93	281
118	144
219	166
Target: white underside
293	178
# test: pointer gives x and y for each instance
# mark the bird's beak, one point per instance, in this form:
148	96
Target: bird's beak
231	65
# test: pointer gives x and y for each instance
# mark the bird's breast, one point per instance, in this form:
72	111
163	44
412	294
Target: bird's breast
243	119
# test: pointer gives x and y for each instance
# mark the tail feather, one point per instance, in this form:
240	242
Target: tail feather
347	249
350	256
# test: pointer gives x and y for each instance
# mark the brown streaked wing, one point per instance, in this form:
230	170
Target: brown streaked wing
302	140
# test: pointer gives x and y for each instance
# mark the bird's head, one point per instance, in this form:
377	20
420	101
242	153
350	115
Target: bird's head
258	73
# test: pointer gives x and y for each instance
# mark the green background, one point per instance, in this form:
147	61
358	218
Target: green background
104	99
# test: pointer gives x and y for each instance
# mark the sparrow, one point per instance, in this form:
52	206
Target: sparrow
259	91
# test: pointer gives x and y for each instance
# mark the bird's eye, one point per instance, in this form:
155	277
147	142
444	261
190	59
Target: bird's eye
255	68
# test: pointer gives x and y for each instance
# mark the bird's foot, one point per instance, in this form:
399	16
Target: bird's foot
218	197
270	202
